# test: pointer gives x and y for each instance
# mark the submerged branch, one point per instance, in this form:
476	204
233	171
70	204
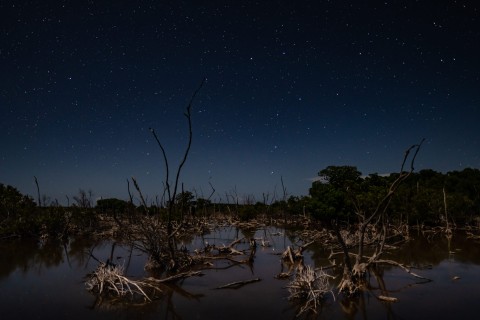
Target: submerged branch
405	268
238	284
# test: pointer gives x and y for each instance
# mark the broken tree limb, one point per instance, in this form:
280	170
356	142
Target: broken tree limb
405	268
288	255
238	284
304	246
176	277
234	242
387	299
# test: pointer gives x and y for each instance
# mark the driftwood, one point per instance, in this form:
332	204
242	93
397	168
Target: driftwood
238	284
175	277
225	252
470	235
230	248
407	269
283	275
291	255
387	299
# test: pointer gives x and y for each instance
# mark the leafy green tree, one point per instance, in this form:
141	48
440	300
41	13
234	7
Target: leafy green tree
12	202
331	194
340	176
329	202
203	203
113	206
17	212
247	212
184	199
297	205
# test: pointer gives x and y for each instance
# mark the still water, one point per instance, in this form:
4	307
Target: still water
47	281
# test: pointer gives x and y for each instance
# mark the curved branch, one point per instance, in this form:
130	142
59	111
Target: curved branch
165	161
187	114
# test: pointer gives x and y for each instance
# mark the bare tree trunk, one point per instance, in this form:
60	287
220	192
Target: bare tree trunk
172	195
446	211
38	191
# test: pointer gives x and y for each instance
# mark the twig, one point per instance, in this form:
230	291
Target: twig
140	193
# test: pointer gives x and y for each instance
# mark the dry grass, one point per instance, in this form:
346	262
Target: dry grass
309	286
110	280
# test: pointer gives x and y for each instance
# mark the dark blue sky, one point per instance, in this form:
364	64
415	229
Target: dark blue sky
292	87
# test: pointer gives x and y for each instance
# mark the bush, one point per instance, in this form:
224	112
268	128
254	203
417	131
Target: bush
247	212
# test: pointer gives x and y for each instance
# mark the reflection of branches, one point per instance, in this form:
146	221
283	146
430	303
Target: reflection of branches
66	254
405	268
184	293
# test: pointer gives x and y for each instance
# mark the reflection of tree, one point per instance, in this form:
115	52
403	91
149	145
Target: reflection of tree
17	254
163	303
76	250
49	255
425	249
353	305
432	249
27	255
378	273
247	232
376	287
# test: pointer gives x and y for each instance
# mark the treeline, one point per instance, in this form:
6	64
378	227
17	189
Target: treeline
426	197
20	216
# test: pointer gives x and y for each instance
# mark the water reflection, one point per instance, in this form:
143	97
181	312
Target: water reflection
48	278
28	256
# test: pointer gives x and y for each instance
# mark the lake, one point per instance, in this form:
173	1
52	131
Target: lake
40	281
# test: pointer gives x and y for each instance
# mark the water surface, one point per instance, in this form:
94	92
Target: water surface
40	281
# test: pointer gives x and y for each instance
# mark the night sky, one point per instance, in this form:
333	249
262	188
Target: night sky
292	87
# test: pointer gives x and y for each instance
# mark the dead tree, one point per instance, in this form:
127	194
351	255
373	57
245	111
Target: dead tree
38	191
171	191
354	273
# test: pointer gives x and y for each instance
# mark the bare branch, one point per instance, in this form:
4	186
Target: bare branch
165	161
187	114
38	191
129	193
213	190
144	203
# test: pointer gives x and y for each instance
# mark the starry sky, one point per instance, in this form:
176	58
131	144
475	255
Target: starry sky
292	87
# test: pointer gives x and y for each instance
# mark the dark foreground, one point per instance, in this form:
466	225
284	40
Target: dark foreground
47	281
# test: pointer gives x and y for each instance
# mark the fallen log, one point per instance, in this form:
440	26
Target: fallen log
238	284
